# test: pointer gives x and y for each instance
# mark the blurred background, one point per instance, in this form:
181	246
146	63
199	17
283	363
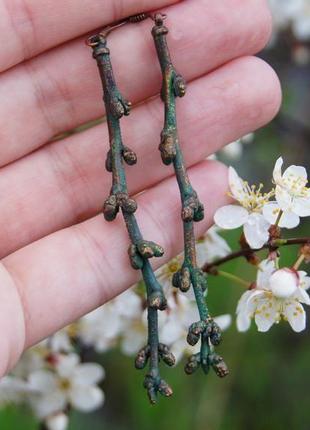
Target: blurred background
270	373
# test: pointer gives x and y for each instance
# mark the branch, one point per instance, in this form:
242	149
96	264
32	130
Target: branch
277	243
140	250
192	211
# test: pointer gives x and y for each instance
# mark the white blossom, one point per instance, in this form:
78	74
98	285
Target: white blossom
14	390
102	328
234	150
70	383
33	359
279	294
211	246
292	195
248	213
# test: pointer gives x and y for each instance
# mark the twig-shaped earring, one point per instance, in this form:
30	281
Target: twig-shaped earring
206	329
140	250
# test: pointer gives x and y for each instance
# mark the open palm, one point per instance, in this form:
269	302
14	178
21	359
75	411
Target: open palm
60	259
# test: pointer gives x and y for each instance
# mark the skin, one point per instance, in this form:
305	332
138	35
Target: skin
59	258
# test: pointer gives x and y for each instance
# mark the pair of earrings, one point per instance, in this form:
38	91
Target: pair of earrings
141	251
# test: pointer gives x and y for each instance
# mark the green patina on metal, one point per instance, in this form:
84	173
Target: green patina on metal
206	330
140	250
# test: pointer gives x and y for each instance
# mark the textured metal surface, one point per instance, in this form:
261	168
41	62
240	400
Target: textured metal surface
140	250
206	330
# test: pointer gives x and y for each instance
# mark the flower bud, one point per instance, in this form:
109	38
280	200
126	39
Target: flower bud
136	260
192	364
188	214
168	149
149	249
142	358
111	208
179	86
165	389
108	163
129	156
120	107
117	108
283	283
199	212
150	386
157	300
219	366
166	355
216	335
129	205
182	279
195	332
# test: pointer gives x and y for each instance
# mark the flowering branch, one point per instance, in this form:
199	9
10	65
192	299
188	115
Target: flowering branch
189	275
140	250
248	252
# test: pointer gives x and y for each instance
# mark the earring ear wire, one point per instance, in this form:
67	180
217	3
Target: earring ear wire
134	19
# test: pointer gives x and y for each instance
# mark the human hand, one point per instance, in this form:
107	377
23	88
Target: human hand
60	259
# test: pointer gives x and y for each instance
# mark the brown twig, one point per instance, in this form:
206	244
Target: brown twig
208	267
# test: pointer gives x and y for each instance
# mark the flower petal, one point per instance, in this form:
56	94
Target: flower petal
256	231
231	216
47	405
67	365
223	321
171	331
86	399
236	185
43	381
301	206
233	150
211	246
133	340
243	322
277	172
288	219
57	422
266	314
302	296
265	270
304	280
295	172
295	314
284	198
245	309
88	374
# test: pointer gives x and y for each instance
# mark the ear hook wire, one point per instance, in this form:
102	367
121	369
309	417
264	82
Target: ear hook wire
134	19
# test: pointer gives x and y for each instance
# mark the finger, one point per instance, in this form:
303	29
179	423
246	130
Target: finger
219	108
71	272
33	26
61	89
